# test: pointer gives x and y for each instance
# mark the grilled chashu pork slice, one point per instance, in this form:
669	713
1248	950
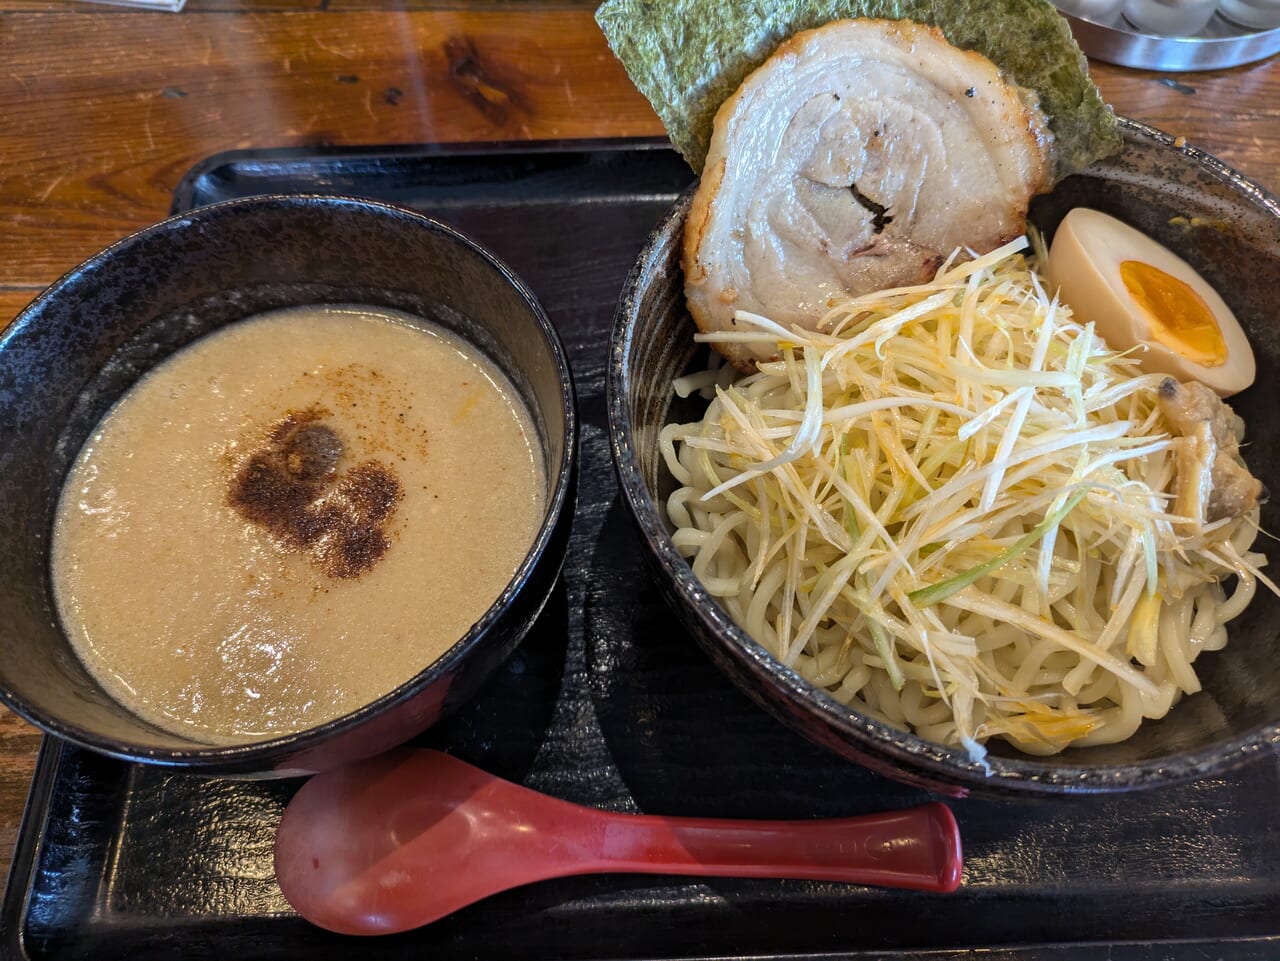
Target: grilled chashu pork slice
856	158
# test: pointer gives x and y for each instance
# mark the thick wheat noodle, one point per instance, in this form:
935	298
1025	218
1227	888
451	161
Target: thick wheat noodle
954	422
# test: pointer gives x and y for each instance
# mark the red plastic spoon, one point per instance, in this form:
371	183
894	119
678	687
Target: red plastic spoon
409	837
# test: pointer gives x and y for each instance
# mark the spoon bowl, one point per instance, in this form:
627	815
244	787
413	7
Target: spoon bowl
409	837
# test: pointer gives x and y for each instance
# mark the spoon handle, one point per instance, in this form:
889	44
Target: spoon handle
917	848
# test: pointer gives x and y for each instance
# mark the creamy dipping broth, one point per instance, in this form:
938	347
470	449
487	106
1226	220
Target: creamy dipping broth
292	517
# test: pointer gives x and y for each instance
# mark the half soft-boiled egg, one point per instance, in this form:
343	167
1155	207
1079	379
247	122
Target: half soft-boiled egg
1136	291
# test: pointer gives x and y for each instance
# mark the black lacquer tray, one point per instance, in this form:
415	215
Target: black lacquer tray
608	703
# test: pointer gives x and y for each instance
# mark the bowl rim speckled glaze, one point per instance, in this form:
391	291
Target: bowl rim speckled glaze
879	745
263	757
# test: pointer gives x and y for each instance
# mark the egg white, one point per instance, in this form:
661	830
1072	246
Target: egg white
1084	263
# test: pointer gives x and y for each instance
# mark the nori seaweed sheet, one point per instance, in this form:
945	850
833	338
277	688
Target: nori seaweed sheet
689	56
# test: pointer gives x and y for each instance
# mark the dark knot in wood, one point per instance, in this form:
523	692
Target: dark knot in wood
481	89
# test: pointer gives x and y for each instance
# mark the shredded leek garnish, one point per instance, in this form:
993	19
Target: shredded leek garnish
950	507
925	596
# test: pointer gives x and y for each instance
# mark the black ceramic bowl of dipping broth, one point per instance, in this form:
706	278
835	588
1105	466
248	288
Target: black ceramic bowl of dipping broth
84	342
1228	228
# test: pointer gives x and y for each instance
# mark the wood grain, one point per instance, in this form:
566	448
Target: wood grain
95	147
128	127
19	742
105	108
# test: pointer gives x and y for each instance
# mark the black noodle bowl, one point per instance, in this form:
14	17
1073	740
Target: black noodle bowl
1228	228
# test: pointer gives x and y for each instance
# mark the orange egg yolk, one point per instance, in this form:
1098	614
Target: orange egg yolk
1179	317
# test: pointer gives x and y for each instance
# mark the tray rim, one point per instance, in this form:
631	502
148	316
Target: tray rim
184	193
15	902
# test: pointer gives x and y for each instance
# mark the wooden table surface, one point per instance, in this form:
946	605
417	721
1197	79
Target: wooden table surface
103	109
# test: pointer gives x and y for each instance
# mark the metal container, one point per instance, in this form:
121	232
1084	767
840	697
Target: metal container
1219	44
1170	18
1258	14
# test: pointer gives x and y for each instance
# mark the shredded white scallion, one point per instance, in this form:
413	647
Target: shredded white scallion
950	507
